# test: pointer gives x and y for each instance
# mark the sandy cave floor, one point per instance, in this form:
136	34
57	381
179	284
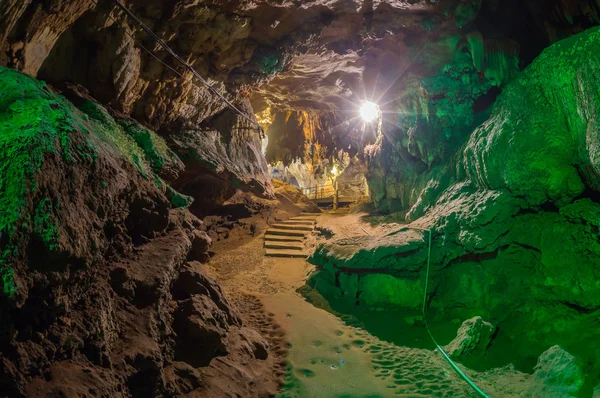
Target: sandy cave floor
315	353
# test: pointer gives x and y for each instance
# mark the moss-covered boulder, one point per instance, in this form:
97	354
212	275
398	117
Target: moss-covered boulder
73	185
473	338
559	374
541	140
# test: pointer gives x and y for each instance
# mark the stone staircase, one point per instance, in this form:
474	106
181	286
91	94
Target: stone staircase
286	239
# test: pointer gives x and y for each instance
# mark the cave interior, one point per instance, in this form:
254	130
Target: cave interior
284	198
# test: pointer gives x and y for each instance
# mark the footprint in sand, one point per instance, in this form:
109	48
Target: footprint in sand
307	373
359	343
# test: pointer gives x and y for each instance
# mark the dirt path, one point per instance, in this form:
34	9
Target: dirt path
316	344
314	353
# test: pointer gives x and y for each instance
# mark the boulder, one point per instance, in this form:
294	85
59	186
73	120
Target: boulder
473	338
201	328
200	245
557	373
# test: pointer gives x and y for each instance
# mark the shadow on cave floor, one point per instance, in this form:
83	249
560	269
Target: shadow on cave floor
402	328
405	328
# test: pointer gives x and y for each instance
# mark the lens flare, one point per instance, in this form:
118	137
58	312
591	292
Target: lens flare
369	111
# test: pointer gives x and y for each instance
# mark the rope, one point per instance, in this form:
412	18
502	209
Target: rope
145	49
424	312
179	59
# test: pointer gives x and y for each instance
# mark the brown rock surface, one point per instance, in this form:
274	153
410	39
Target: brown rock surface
104	295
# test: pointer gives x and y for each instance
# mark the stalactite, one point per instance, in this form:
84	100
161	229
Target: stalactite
501	60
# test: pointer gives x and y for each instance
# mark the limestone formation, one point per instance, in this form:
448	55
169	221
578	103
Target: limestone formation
95	278
559	372
513	217
473	338
119	168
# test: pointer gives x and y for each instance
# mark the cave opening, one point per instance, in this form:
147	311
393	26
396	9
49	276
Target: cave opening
300	198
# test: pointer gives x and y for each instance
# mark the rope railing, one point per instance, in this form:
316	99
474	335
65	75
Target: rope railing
327	192
186	65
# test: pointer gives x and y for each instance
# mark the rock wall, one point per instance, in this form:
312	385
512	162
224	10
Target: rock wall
221	156
101	290
514	220
96	47
92	44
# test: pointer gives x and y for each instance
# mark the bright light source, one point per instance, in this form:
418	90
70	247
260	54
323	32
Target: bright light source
369	111
334	171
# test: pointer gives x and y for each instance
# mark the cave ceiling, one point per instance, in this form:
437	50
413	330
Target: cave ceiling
416	57
322	55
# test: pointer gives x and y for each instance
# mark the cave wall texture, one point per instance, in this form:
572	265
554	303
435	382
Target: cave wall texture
486	137
514	214
102	291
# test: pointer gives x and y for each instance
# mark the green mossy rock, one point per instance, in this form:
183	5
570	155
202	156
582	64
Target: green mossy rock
559	373
514	239
64	172
541	140
110	131
473	338
35	125
380	291
179	200
163	160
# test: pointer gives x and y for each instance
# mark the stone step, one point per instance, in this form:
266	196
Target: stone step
281	238
293	227
310	214
285	232
305	219
299	222
269	244
284	253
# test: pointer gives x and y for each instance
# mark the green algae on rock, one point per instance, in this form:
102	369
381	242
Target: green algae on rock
34	125
40	130
163	160
511	226
112	132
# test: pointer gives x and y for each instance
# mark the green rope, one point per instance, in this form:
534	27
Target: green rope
424	311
